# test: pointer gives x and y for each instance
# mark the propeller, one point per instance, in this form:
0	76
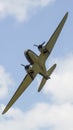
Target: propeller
40	46
25	66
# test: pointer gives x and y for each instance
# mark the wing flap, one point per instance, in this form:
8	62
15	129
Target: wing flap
25	83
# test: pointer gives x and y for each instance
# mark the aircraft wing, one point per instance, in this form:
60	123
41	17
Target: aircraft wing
50	44
25	83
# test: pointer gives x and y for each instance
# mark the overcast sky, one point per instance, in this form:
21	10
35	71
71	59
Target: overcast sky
24	23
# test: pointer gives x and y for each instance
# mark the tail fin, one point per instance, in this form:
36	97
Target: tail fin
44	80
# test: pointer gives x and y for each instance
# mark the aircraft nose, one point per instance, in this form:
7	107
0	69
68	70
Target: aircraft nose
25	52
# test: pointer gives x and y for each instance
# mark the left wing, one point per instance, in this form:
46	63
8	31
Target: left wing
25	83
50	44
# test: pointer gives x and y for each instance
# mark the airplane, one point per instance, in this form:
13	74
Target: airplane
37	64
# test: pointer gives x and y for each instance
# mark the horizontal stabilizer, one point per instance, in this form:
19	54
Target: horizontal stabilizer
44	80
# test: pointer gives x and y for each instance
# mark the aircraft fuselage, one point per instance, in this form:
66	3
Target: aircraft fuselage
31	56
34	59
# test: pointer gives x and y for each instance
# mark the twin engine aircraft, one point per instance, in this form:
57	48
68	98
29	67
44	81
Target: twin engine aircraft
37	64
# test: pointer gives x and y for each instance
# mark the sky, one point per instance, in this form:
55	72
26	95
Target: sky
24	23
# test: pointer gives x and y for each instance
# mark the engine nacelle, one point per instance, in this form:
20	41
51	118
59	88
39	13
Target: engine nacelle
29	70
42	48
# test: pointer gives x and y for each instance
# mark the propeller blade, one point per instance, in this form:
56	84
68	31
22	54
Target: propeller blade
40	45
43	43
23	65
35	45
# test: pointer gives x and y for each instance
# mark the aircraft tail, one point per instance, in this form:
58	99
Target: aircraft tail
44	80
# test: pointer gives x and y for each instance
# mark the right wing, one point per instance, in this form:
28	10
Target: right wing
50	44
25	83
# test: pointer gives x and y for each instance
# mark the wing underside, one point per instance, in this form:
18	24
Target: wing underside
55	35
25	83
50	44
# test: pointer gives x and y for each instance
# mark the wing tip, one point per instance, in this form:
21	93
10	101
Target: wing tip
65	17
54	66
39	90
3	112
66	14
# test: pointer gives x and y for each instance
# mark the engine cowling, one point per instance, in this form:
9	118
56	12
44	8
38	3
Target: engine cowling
29	70
42	48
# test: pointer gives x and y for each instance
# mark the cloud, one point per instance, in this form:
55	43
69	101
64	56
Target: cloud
21	9
5	81
42	115
60	87
55	116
